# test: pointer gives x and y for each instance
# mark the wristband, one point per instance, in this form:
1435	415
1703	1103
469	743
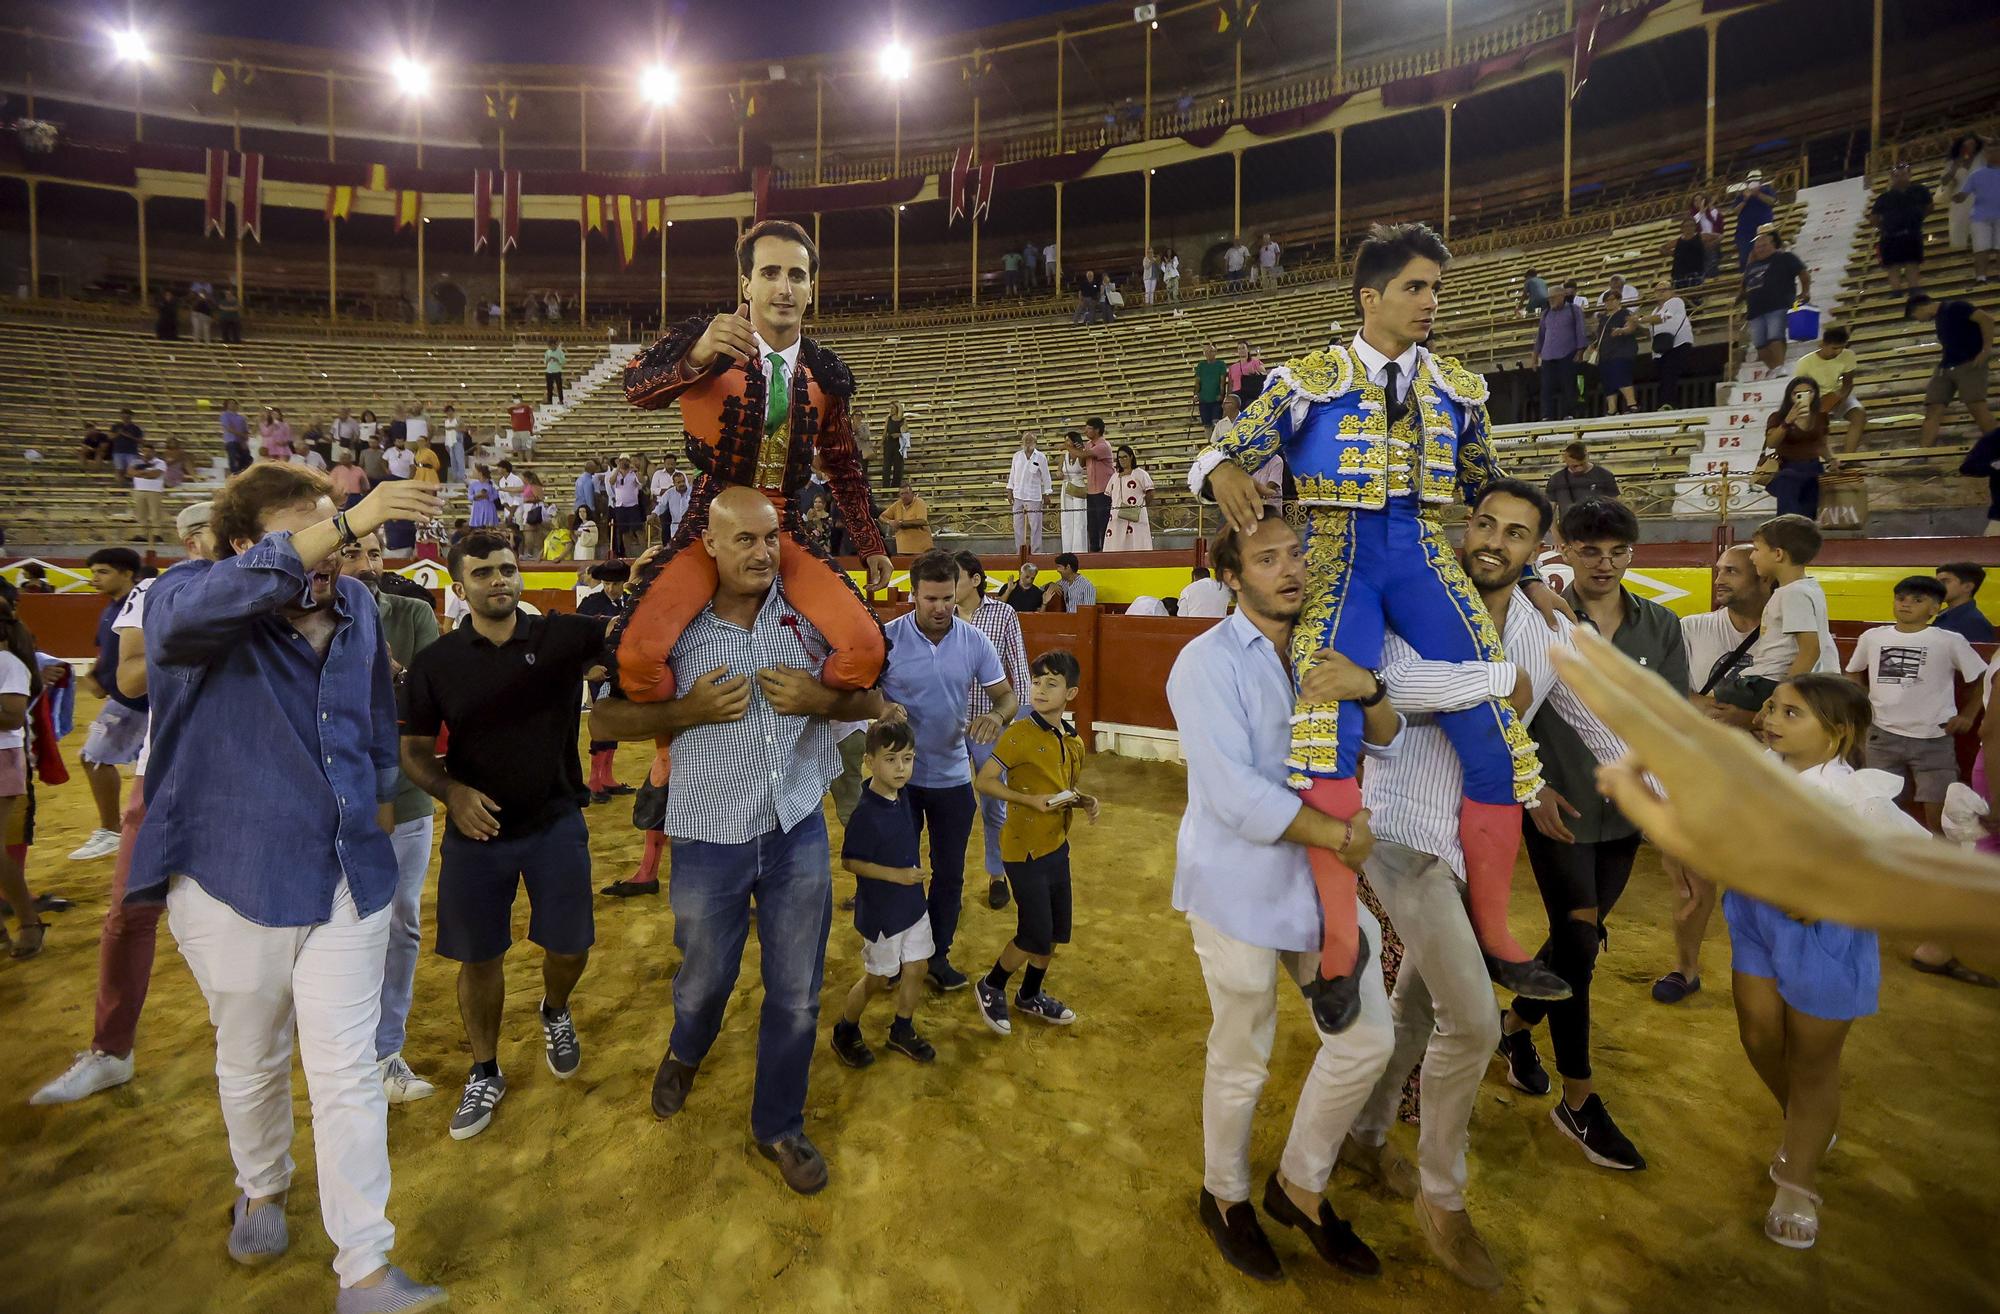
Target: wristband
348	537
1381	691
1346	838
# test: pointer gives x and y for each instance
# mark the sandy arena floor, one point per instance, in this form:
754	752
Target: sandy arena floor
1056	1170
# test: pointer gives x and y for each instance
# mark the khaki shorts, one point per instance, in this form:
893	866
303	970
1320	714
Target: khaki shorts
1931	763
1968	382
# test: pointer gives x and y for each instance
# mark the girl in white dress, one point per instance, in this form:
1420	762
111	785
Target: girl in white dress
1131	494
1075	507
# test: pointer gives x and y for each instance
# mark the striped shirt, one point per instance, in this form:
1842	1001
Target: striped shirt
733	781
999	622
1414	796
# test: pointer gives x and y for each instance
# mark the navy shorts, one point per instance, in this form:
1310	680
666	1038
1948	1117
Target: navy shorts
1041	901
477	880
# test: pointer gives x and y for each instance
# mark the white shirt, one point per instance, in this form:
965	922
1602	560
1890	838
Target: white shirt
1267	254
131	616
510	487
1910	682
1377	366
1674	319
14	680
1028	478
1711	636
625	489
662	481
417	426
149	476
1145	605
1205	597
1235	258
1794	609
401	461
314	461
789	357
1414	796
1171	270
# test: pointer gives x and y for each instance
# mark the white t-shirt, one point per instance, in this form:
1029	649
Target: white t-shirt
662	481
1267	255
1205	597
149	476
401	461
1794	609
510	489
13	680
1674	319
1710	637
132	616
1910	677
415	427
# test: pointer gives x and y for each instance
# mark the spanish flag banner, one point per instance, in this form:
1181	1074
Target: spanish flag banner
409	209
339	203
1242	13
655	215
592	214
628	229
378	177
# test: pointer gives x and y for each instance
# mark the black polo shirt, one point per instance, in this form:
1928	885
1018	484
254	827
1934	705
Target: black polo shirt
513	712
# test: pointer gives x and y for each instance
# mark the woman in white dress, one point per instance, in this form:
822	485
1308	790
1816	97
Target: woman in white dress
1075	504
1962	160
1149	274
1131	495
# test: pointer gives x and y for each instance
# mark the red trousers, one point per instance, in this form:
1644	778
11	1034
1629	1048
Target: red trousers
125	949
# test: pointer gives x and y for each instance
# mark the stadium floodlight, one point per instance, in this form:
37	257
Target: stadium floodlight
894	61
130	46
659	84
412	78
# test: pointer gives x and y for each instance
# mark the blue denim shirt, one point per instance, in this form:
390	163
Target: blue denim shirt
267	762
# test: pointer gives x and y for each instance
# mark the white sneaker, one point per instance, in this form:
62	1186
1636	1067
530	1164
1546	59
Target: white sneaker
403	1085
92	1072
101	844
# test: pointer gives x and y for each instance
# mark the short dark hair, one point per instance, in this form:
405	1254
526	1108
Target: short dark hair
1795	536
1389	248
1916	300
1201	572
1928	586
782	229
1059	661
479	543
1094	423
890	737
611	572
1575	449
937	566
1225	550
1965	572
1528	493
118	558
1835	333
968	564
238	511
1068	559
1600	518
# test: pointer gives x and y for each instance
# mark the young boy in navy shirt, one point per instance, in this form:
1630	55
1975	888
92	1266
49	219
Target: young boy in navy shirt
1035	766
880	849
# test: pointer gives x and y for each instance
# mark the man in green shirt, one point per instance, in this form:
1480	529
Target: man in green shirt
553	363
1010	265
1209	376
408	627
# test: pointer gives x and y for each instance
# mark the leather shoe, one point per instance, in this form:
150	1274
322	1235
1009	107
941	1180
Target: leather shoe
1530	980
1240	1239
671	1085
996	893
1383	1165
1449	1234
798	1162
1336	1002
1329	1233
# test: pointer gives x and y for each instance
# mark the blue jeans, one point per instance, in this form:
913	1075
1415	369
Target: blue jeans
947	813
412	842
992	811
1796	488
710	890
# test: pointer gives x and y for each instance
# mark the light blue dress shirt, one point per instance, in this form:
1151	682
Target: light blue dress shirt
933	682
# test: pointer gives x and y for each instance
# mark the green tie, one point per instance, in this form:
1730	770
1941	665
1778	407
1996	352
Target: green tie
778	399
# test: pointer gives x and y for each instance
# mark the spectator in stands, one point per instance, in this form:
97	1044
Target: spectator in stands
125	438
400	460
1209	376
520	425
1091	305
229	314
350	484
1832	367
1205	595
1959	162
149	480
1687	258
425	467
1756	205
1617	291
508	483
96	445
1235	264
274	436
1098	468
1170	273
585	532
370	428
1618	353
374	462
1031	259
909	517
895	446
552	307
347	429
1070	585
1673	341
1131	501
35	578
1898	215
1028	488
554	361
167	317
1268	268
201	313
536	516
1074	495
1561	337
1232	410
672	506
1795	437
1246	374
1534	293
1051	271
587	486
235	436
1982	189
1774	281
1962	581
1579	480
416	425
1010	272
1023	594
310	458
1965	345
1149	274
1708	224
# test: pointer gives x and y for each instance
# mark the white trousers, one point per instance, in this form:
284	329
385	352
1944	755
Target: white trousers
1028	524
325	981
1244	981
412	842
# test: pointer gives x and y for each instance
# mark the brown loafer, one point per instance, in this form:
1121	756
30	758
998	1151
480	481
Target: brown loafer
671	1085
1383	1165
801	1165
1450	1235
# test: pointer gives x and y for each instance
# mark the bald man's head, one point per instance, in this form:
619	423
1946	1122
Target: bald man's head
742	536
1737	586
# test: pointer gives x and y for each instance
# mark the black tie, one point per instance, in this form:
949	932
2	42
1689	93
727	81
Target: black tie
1392	394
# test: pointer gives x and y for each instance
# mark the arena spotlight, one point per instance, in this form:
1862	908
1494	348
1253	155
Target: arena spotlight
130	46
412	78
894	61
659	85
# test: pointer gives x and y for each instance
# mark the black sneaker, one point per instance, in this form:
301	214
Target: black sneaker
996	893
1524	1065
943	976
1591	1127
993	1008
559	1043
905	1040
849	1047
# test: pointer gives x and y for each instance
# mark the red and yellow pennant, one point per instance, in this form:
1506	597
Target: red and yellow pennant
339	203
378	177
409	209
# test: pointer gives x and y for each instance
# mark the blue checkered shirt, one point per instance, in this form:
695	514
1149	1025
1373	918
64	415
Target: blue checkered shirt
733	781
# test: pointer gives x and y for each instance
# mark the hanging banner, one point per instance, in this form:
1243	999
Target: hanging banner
1585	44
378	177
409	209
339	203
961	164
216	194
510	210
628	229
655	215
760	191
250	205
982	197
482	207
591	215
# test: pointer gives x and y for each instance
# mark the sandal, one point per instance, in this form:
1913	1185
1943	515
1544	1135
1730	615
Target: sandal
29	942
1777	1221
1957	971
